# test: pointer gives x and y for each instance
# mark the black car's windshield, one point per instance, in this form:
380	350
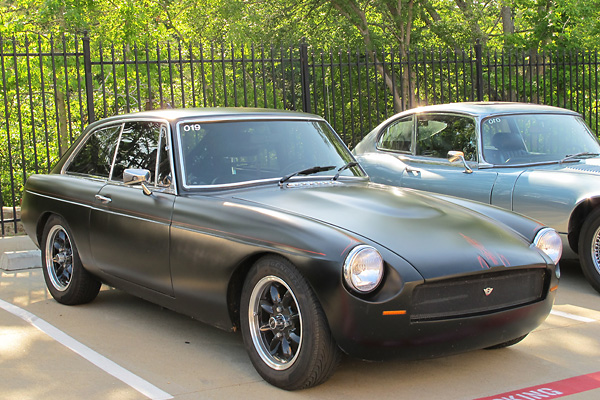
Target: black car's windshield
216	153
536	138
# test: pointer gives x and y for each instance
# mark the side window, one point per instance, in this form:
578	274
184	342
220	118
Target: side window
397	136
95	157
163	167
439	134
139	148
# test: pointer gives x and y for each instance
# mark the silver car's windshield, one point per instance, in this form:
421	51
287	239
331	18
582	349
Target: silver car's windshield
218	153
536	138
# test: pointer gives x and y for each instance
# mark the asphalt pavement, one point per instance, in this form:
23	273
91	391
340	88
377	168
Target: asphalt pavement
121	347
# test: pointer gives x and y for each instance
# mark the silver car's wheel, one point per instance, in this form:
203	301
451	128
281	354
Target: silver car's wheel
284	328
589	249
595	249
67	281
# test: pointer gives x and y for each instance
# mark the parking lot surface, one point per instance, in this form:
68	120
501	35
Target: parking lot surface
121	347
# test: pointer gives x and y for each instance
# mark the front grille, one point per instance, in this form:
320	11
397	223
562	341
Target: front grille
463	297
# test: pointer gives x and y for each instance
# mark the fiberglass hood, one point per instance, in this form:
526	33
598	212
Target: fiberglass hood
435	236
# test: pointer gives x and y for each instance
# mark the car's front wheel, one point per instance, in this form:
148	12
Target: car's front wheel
284	328
589	249
66	279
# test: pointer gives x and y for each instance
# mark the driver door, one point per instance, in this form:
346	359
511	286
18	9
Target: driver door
429	169
130	230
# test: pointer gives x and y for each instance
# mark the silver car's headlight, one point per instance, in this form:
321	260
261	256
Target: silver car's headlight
363	269
550	243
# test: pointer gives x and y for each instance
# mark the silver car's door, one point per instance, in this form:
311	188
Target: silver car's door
130	230
429	168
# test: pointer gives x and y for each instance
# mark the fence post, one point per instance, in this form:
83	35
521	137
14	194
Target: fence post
305	76
87	66
479	71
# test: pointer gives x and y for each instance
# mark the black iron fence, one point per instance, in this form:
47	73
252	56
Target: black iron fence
53	87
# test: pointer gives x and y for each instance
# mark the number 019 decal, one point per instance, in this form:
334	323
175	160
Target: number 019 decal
192	128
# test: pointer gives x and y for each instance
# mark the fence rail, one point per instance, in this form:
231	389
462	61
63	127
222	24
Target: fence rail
53	87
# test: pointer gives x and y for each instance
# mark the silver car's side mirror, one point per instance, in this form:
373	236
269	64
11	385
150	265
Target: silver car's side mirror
134	176
459	155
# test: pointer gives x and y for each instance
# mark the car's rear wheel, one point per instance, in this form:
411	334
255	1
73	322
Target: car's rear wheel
66	279
507	343
589	249
284	328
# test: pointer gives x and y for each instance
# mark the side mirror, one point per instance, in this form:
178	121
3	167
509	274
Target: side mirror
134	176
459	156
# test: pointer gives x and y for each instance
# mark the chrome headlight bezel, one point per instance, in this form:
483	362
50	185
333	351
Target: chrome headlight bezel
363	269
549	241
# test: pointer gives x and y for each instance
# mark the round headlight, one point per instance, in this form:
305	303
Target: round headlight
363	269
550	243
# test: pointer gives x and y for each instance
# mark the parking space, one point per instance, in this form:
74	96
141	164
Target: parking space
121	347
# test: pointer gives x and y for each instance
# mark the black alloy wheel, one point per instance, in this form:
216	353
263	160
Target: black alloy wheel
66	279
284	328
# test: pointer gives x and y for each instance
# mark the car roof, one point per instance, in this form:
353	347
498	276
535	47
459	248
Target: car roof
186	113
484	109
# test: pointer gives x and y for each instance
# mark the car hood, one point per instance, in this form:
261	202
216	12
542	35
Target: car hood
437	237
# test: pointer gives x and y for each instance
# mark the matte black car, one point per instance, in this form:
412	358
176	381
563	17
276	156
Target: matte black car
261	221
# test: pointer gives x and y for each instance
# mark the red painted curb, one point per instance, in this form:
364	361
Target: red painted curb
552	390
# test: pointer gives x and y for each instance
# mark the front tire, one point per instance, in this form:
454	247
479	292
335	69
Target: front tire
284	328
589	249
68	282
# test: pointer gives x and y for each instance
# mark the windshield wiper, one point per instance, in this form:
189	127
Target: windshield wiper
584	154
307	171
345	167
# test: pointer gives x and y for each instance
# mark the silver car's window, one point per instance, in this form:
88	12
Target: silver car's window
531	138
96	155
397	136
138	148
216	153
437	134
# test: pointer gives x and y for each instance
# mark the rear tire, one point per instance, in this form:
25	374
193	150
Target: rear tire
284	328
589	249
68	282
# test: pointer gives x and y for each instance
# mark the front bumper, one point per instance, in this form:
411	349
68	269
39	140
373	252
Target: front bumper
389	330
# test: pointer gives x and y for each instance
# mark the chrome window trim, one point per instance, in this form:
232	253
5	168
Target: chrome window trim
122	122
221	118
112	164
412	135
476	124
83	141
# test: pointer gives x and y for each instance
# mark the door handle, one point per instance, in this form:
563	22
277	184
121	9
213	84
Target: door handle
103	199
411	170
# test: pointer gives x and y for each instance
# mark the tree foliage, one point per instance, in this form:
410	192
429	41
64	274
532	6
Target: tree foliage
539	24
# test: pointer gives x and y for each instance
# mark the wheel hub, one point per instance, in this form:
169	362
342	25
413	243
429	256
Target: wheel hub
279	322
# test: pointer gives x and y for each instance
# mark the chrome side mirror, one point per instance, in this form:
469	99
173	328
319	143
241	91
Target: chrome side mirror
134	176
459	155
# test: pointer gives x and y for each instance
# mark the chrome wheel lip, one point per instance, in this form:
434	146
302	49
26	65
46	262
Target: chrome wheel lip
59	259
595	250
254	313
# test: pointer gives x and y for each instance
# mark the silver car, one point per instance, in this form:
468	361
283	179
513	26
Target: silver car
536	160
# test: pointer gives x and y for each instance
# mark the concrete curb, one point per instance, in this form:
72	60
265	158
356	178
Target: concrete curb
19	252
18	260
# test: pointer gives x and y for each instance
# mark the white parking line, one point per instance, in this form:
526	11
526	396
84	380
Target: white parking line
134	381
571	316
